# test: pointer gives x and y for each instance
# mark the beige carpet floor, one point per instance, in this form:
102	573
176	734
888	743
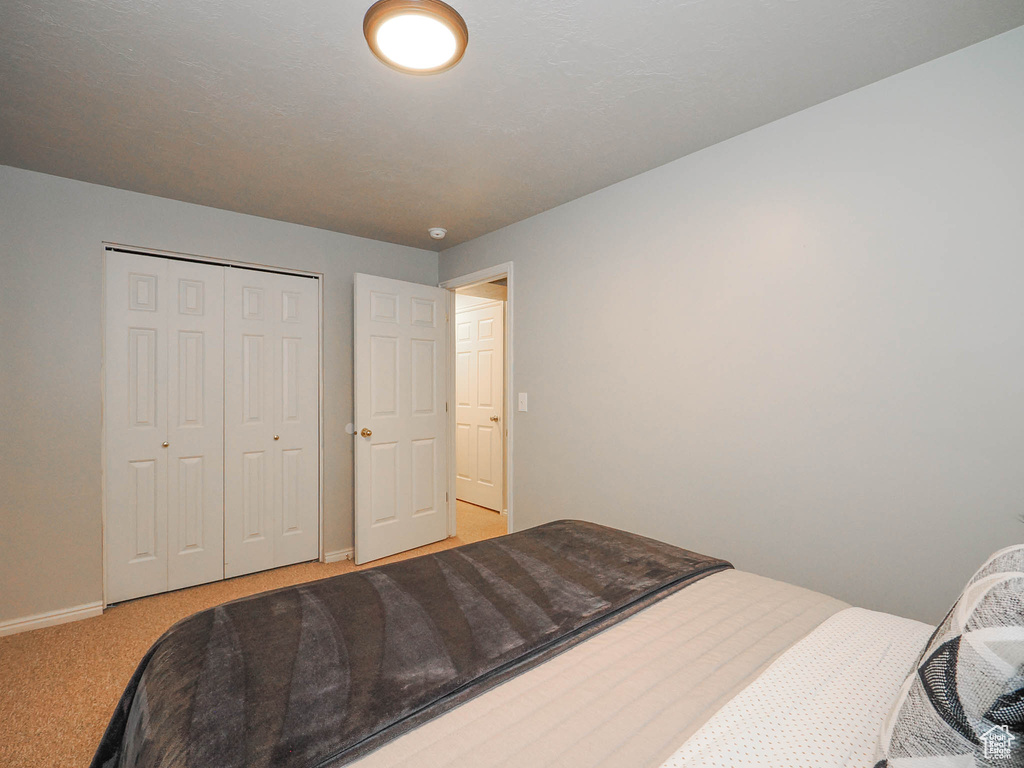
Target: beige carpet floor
59	685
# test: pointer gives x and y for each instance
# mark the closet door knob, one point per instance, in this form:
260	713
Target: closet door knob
365	432
277	437
165	444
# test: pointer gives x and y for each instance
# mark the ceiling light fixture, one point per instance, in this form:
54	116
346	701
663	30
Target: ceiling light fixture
420	37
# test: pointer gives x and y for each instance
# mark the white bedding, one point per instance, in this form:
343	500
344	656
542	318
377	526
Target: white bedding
627	697
819	705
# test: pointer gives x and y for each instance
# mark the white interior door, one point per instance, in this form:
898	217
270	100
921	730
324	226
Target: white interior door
271	420
400	342
163	433
479	390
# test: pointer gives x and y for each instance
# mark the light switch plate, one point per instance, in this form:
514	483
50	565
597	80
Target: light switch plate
522	401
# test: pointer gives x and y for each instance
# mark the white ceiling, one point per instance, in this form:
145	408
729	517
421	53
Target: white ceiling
279	109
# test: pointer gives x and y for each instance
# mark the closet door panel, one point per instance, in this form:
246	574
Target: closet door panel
136	294
195	531
297	418
272	421
249	454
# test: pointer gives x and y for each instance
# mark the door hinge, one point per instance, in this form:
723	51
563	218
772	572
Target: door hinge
446	497
446	407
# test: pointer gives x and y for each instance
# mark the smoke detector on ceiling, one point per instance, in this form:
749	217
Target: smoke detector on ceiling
438	233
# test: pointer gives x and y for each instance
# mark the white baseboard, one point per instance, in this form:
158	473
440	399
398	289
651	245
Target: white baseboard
341	554
50	618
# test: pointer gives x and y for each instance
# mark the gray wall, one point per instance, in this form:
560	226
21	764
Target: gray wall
801	349
51	231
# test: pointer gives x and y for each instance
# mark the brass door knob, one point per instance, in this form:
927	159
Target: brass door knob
494	418
365	432
277	437
165	444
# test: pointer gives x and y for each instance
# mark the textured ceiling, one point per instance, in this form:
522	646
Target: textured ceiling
278	108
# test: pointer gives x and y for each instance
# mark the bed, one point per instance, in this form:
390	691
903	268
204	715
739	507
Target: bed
572	644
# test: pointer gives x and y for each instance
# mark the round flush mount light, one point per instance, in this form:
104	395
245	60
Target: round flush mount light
437	233
420	37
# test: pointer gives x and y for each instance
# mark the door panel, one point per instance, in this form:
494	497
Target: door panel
424	473
291	491
271	421
484	454
252	379
135	426
254	496
400	384
142	368
190	507
295	301
479	394
143	491
383	376
248	424
424	377
195	431
384	483
485	379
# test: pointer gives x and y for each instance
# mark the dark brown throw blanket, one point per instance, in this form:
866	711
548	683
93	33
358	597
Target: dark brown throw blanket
318	674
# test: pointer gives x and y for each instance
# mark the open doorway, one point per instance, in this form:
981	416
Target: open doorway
480	418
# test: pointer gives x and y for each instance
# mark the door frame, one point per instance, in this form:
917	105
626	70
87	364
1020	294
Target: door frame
487	275
237	264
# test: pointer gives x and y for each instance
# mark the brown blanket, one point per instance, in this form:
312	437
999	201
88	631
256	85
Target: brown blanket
318	674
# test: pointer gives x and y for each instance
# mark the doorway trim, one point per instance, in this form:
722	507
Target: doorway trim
496	272
107	246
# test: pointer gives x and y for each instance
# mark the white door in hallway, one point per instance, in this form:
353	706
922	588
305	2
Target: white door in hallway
163	426
479	395
400	345
272	432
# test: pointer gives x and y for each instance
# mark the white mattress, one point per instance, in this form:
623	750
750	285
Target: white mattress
820	704
629	695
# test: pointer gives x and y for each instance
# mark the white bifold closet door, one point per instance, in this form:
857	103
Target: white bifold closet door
211	423
271	376
164	425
